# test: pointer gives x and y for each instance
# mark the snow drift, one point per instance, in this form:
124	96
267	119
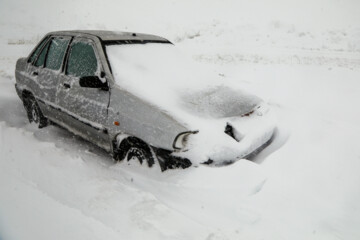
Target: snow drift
301	57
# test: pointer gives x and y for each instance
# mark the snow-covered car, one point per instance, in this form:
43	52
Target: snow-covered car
136	96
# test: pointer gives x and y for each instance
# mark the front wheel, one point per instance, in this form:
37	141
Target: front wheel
133	149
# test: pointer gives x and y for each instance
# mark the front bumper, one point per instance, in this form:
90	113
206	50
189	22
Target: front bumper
251	134
249	156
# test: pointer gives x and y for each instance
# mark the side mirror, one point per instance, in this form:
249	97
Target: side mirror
93	82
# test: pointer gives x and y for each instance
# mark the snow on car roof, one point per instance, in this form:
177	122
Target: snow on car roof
114	35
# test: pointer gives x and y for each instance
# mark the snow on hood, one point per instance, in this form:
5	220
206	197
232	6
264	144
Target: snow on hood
220	102
179	86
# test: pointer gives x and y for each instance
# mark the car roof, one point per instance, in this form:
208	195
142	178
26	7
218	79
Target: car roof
113	35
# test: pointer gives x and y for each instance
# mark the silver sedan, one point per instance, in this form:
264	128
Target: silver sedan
134	96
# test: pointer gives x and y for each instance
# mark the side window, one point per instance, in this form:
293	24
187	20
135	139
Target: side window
82	60
37	51
41	59
56	52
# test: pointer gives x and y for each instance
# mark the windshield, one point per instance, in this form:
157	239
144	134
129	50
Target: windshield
153	65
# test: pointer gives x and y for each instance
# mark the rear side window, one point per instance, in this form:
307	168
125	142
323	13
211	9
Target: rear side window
82	60
41	59
56	53
37	51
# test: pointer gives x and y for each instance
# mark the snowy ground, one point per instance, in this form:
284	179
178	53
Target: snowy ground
306	185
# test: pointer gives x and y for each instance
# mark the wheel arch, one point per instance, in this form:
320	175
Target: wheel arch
123	142
26	93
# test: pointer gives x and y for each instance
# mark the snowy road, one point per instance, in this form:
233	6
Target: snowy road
305	185
51	178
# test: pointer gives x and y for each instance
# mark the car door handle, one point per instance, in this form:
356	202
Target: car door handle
35	73
66	85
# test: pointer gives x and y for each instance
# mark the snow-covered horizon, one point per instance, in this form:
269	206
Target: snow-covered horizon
302	57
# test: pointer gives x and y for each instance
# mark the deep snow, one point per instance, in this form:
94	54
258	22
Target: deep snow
301	57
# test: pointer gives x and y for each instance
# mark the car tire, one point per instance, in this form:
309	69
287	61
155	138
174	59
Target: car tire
33	111
133	149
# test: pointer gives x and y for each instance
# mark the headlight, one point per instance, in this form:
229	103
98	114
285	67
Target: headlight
181	139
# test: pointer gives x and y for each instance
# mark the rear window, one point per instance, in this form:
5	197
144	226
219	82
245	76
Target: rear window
56	52
37	51
41	59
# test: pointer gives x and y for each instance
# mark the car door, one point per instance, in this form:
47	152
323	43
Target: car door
44	71
84	108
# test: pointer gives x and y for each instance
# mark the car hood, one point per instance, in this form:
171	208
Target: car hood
219	102
162	76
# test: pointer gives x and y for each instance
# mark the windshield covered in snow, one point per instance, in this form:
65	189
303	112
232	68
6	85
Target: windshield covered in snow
155	63
178	84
